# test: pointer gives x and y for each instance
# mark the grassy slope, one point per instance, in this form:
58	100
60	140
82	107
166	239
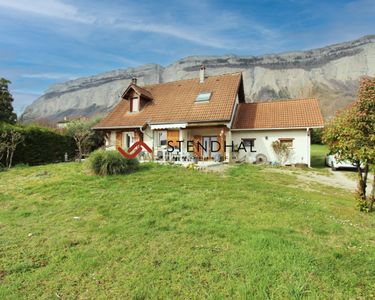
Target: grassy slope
168	232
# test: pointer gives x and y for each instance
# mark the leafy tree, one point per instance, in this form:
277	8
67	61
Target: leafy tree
351	136
86	139
6	107
9	140
316	136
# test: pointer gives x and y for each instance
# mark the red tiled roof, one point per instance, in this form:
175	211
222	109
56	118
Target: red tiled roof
175	102
279	114
140	91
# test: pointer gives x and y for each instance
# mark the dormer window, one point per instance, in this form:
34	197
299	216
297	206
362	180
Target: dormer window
203	97
134	104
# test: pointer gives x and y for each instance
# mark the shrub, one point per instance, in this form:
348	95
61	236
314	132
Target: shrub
104	163
43	145
282	151
316	136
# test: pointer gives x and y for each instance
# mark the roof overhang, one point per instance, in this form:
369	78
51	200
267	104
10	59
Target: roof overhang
168	126
115	127
285	128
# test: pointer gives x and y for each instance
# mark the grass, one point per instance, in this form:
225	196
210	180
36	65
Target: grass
166	232
318	153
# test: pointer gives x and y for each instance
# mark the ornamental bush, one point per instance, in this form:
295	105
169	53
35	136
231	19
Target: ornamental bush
104	163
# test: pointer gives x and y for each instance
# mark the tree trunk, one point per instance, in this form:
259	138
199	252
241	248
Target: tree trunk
365	175
11	158
7	159
361	185
372	195
79	151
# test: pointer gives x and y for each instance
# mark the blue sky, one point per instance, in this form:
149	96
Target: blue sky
47	41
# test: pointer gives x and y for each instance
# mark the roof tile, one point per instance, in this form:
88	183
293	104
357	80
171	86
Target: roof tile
175	102
291	113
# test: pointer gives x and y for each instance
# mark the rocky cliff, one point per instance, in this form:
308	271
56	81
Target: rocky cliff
331	74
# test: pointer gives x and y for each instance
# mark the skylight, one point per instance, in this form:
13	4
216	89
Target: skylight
203	96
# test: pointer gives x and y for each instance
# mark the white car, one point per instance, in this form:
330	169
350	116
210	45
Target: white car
331	161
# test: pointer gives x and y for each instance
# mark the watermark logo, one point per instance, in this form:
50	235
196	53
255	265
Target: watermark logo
130	154
191	146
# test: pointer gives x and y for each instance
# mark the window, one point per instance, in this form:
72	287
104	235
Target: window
162	138
287	141
203	96
127	139
248	142
134	104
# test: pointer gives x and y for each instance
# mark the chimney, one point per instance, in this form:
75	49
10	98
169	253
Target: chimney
134	80
202	74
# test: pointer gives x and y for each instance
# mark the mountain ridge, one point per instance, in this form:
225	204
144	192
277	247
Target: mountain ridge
329	73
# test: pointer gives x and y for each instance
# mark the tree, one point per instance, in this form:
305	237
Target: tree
316	136
365	119
282	151
9	141
351	136
6	107
86	139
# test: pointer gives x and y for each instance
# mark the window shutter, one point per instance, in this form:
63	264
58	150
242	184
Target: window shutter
173	135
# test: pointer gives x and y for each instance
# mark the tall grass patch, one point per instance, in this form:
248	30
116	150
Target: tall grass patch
105	163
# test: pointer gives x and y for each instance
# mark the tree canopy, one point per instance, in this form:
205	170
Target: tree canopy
351	136
7	114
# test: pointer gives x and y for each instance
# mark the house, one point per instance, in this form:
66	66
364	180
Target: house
207	118
62	124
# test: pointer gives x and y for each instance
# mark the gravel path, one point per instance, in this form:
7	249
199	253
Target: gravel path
335	179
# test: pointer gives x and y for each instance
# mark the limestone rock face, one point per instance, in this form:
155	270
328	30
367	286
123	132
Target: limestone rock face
331	74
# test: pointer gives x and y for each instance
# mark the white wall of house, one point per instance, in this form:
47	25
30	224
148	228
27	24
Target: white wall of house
264	139
148	137
262	144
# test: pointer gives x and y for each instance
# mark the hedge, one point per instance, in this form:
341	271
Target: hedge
41	145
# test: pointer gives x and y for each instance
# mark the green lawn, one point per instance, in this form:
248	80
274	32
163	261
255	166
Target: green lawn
170	233
318	153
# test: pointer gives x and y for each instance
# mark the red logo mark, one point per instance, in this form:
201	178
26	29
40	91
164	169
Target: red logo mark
138	144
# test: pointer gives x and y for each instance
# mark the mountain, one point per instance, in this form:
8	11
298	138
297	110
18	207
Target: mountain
330	73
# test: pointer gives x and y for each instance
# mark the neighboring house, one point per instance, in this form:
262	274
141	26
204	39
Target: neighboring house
200	114
62	124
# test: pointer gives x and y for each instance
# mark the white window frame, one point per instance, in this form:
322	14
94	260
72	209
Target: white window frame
135	104
125	136
160	133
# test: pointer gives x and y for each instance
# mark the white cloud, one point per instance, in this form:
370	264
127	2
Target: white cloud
50	76
202	25
47	8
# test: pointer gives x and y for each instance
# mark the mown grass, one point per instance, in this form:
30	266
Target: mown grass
318	153
166	232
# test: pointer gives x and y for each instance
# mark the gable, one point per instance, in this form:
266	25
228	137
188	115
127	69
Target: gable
175	102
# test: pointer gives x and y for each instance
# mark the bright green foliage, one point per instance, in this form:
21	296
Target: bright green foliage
171	233
7	114
105	163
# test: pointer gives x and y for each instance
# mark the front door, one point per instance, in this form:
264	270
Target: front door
210	146
206	147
